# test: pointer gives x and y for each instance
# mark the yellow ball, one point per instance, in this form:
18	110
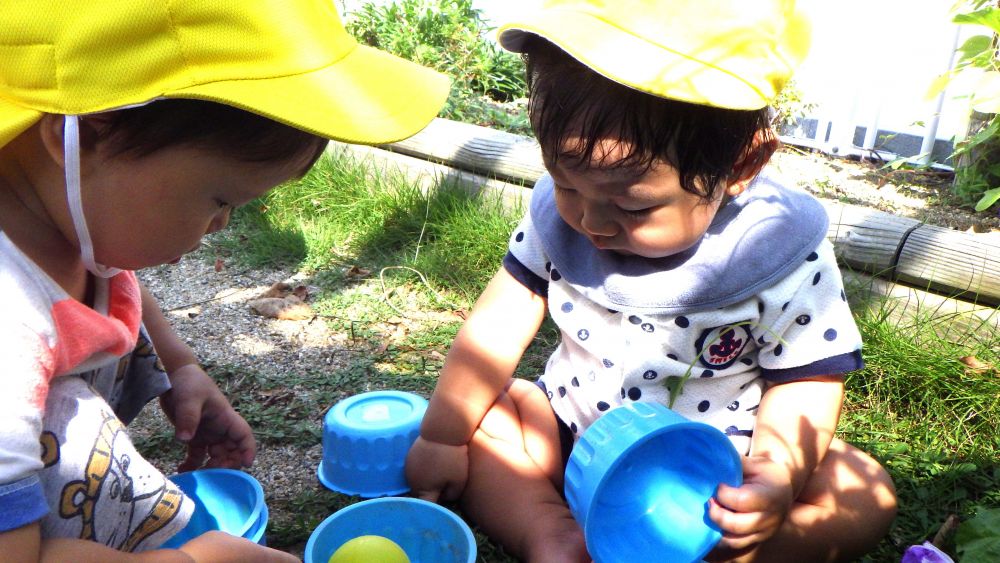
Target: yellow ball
369	549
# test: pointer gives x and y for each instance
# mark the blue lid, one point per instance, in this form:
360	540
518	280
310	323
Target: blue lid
377	412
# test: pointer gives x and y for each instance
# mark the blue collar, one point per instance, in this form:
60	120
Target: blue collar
755	240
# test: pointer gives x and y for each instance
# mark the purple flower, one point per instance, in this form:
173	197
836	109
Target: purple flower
925	553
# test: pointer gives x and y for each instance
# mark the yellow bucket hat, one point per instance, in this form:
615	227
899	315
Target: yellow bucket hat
735	54
288	60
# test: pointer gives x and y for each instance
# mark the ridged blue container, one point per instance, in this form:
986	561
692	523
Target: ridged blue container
365	441
224	499
639	479
427	532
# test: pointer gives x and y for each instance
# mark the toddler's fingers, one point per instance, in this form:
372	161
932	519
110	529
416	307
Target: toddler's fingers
736	523
746	498
428	495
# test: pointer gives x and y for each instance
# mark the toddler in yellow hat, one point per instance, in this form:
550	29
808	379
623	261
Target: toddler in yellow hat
129	130
679	270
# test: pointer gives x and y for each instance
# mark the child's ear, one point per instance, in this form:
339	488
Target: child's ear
51	129
759	154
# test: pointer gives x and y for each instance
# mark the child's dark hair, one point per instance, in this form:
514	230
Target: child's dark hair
706	145
241	135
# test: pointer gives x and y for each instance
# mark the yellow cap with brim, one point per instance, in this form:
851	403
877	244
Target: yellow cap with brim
735	54
288	60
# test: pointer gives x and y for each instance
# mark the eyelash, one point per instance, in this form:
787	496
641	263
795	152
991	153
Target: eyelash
637	214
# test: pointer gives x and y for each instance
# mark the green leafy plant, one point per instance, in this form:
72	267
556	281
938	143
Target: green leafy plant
449	36
977	172
978	538
790	106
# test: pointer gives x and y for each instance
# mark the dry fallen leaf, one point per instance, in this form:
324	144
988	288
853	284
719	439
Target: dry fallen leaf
279	289
357	272
973	363
289	308
219	264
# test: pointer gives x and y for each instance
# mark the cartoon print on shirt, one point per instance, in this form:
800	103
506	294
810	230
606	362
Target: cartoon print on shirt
107	488
50	448
720	347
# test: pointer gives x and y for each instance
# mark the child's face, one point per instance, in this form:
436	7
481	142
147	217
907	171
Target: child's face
644	213
152	210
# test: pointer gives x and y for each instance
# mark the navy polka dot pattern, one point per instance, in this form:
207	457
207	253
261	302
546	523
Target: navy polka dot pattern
609	356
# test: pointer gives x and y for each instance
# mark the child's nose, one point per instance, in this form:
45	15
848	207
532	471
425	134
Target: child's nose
596	221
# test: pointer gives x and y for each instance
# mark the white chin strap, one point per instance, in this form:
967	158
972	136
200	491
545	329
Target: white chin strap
71	152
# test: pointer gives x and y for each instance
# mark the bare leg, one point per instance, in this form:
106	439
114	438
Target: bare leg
515	478
845	509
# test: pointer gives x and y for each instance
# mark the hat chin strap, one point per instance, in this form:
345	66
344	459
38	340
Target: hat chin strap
71	152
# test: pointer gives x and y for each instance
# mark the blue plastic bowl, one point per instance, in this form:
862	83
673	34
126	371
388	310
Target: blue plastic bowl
427	532
224	499
639	479
365	441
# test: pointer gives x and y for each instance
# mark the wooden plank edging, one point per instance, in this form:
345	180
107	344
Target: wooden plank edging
960	265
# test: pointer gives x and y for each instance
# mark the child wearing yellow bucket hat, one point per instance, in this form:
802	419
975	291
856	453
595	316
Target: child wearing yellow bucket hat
128	130
678	269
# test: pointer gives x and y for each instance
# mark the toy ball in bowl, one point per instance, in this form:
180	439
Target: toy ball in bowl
224	499
367	549
639	480
426	532
365	441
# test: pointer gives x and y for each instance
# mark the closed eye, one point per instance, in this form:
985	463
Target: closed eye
637	213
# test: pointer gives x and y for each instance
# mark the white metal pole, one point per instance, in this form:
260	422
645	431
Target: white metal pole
930	133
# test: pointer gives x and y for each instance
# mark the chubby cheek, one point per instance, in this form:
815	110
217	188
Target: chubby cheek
569	212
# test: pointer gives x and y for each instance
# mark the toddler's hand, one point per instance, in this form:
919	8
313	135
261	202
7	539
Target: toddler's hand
206	422
753	512
437	471
220	547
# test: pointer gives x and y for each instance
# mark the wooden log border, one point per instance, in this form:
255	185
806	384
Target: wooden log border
901	250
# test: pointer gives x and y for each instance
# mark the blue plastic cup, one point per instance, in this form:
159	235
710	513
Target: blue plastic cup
639	479
427	532
365	441
224	499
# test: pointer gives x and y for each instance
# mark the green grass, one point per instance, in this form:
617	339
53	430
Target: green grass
915	407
